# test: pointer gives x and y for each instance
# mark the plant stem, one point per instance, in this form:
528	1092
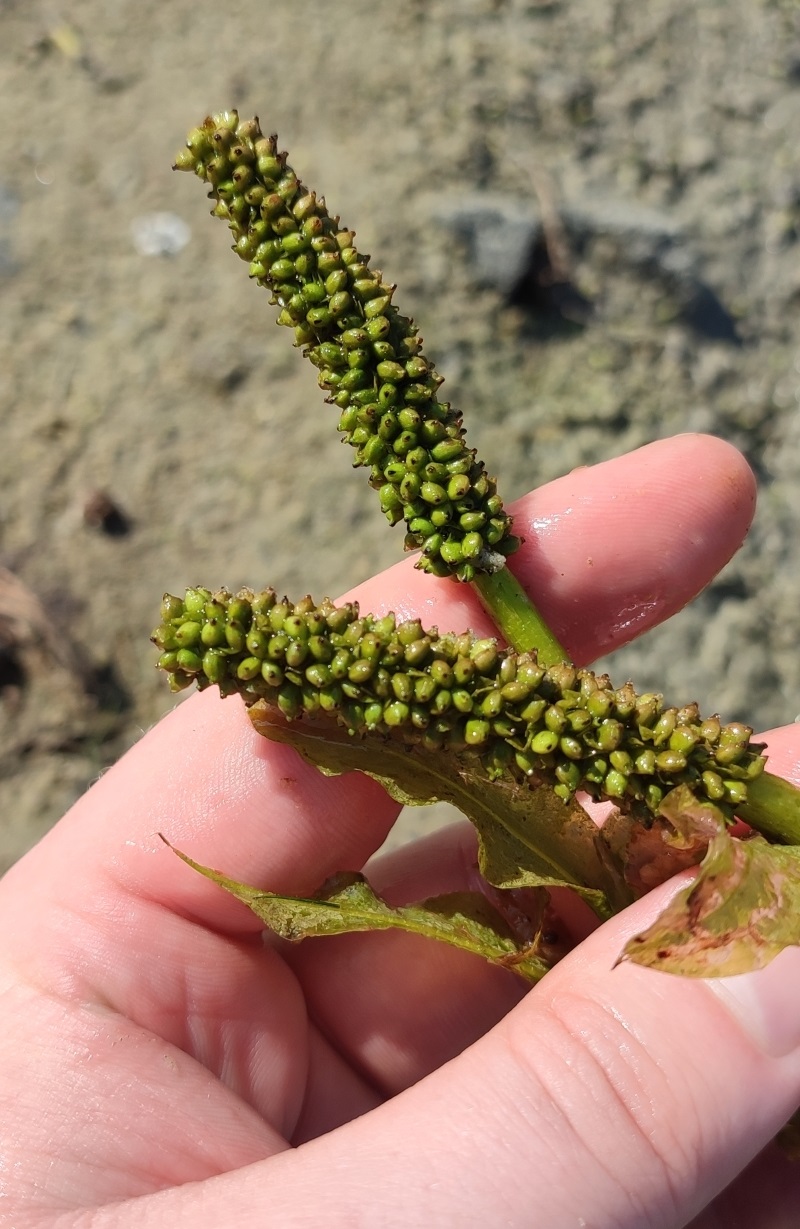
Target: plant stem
773	807
516	617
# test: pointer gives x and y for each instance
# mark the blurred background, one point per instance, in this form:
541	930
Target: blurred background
592	209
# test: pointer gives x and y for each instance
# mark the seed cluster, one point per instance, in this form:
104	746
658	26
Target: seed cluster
560	725
367	353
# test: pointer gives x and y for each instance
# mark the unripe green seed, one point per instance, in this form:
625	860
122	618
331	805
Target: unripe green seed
188	660
340	303
402	444
477	732
458	487
295	243
595	771
616	784
424	690
396	713
188	634
645	763
418	651
248	668
731	745
664	727
378	327
484	654
508	669
492	704
410	420
390	371
376	307
320	648
409	488
713	785
318	675
296	654
554	719
450	550
290	700
533	711
276	647
281	270
171	608
320	318
462	700
622	762
472	545
463	670
735	792
256	641
213	634
544	742
214	665
403	687
670	761
516	691
599	705
683	739
609	733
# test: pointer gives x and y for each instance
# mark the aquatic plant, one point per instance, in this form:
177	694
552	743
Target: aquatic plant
510	734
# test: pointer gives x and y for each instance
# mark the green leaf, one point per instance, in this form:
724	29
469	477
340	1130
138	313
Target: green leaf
528	838
346	903
741	910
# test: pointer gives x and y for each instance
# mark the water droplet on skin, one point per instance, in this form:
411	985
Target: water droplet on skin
627	622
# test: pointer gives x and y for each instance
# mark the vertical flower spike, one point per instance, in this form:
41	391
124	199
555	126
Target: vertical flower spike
368	354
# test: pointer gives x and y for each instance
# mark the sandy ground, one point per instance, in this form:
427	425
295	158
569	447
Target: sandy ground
157	430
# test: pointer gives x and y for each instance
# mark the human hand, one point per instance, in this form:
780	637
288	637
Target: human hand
164	1067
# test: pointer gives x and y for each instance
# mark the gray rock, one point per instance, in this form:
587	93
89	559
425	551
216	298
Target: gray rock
499	234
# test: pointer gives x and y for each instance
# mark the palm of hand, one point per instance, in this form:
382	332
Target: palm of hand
180	1044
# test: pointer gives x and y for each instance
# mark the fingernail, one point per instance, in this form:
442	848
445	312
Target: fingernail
766	1003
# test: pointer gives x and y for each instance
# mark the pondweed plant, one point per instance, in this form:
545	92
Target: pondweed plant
508	734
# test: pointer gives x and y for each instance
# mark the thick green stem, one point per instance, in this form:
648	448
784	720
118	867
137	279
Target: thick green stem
516	617
773	807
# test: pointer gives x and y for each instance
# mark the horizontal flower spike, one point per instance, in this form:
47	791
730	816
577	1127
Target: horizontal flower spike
562	726
367	353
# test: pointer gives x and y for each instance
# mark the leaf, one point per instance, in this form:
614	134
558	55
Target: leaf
741	910
676	840
528	838
346	903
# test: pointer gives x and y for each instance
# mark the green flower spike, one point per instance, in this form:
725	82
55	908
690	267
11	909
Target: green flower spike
559	726
508	735
367	353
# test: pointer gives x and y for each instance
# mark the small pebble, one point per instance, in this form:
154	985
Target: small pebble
159	234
